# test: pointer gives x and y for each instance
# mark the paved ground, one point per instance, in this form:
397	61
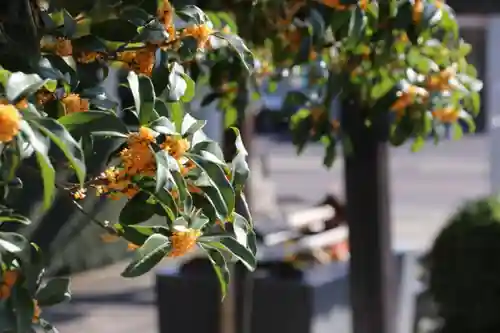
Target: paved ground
426	187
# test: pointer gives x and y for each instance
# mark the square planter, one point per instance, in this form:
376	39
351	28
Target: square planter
314	300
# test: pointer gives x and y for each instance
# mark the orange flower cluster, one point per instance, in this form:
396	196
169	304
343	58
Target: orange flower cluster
74	103
89	57
63	47
363	4
407	98
36	312
434	82
136	160
418	9
201	33
44	96
9	279
183	241
10	120
166	14
141	61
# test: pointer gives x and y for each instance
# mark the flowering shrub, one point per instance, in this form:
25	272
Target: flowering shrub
400	58
54	57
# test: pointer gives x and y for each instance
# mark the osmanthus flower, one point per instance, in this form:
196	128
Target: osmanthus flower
9	279
10	120
337	4
140	61
408	96
201	33
74	103
63	47
137	159
166	15
36	312
183	241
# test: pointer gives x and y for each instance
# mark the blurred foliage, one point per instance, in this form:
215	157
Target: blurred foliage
55	115
400	58
464	273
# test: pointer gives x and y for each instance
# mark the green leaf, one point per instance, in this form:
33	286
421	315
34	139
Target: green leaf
13	242
164	163
241	228
163	125
93	121
177	85
20	85
190	91
239	171
69	24
191	125
232	246
47	327
65	142
357	25
383	87
155	248
55	291
238	45
192	14
330	153
147	97
25	308
220	267
8	217
220	190
177	115
161	108
115	30
137	210
230	117
47	170
133	83
163	198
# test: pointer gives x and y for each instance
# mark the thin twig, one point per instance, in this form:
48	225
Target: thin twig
104	225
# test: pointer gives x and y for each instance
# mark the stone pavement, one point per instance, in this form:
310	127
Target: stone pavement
426	188
104	302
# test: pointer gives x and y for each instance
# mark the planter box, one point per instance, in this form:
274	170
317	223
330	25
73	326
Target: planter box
315	300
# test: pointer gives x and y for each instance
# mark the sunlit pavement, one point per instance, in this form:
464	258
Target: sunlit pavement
426	187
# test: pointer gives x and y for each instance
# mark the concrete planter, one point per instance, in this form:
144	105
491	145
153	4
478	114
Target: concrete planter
315	300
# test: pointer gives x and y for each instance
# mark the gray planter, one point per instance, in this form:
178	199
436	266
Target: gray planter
315	300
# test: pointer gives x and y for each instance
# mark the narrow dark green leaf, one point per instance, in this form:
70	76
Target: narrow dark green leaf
155	248
8	217
133	83
221	192
191	125
220	267
93	121
20	85
137	210
55	291
147	97
163	125
65	142
190	90
177	115
13	242
25	308
47	170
